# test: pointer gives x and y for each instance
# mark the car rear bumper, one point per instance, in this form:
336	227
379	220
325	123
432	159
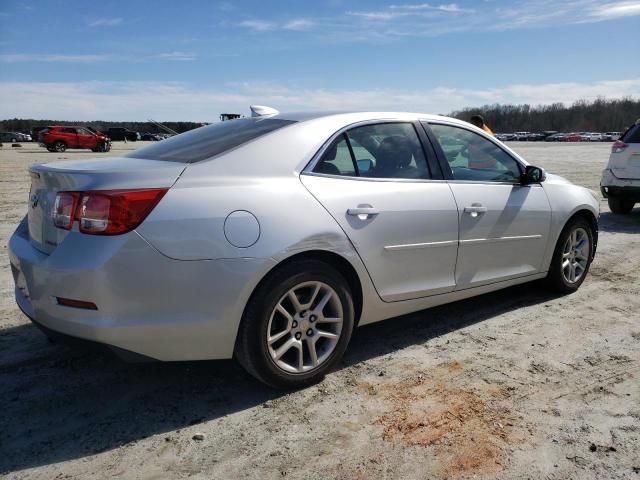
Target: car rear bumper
146	303
610	185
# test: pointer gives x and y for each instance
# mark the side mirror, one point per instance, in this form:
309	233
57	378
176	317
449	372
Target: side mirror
533	175
365	165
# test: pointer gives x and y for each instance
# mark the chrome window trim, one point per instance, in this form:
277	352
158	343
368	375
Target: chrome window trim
373	179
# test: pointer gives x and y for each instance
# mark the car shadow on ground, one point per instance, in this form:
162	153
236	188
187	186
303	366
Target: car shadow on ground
61	403
620	223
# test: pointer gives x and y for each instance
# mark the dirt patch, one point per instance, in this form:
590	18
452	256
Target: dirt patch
468	429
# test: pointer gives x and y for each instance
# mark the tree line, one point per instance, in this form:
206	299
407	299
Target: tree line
600	115
26	124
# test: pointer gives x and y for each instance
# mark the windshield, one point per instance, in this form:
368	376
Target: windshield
206	142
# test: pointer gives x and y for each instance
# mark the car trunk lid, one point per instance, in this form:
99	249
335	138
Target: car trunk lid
100	174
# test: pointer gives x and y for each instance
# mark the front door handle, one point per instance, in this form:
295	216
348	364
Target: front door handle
475	209
362	212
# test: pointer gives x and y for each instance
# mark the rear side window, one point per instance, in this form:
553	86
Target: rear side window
384	150
206	142
632	135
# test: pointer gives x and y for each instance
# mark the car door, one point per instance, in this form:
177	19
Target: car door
376	182
86	139
504	225
69	136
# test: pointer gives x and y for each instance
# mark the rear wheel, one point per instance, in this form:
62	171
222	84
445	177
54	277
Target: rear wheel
620	205
296	325
572	256
59	146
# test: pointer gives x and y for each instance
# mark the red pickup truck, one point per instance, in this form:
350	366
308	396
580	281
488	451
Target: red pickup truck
58	138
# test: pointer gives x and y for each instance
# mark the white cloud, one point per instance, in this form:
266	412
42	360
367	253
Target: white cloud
298	24
612	10
176	56
179	101
23	57
258	25
389	22
105	22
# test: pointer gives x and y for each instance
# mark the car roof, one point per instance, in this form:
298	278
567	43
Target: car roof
357	115
343	118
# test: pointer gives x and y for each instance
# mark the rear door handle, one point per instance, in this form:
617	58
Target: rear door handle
475	210
362	211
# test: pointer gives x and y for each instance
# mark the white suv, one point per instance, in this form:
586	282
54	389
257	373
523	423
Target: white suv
620	182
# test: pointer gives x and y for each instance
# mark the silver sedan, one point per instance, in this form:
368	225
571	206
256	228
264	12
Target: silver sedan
269	239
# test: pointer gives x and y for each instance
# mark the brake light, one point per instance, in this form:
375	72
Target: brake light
618	146
105	212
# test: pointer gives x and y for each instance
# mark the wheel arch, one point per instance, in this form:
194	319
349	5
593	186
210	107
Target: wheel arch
590	217
340	263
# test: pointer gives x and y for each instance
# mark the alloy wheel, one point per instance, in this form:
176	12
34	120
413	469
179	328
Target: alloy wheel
304	327
575	255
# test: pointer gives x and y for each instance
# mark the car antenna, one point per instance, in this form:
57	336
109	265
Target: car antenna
262	111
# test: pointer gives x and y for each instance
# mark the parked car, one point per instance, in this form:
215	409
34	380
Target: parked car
591	137
595	137
504	137
10	137
620	183
35	133
611	136
573	137
535	137
149	137
60	137
521	136
269	239
556	137
120	134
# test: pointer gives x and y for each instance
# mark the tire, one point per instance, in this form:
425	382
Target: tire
620	205
276	361
59	146
51	149
568	249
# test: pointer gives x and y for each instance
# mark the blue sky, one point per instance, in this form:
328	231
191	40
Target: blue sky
191	60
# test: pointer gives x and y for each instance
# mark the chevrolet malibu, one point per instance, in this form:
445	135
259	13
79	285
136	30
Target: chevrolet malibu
269	239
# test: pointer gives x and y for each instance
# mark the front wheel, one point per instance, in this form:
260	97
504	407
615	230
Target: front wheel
620	205
572	257
297	325
59	146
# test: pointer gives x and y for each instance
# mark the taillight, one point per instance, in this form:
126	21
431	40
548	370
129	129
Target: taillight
618	146
105	212
64	209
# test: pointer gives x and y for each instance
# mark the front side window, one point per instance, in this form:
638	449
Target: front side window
472	157
384	150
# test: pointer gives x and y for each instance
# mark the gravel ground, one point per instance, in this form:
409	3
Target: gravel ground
514	384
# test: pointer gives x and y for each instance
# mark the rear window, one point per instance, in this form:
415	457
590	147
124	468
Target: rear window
632	135
206	142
